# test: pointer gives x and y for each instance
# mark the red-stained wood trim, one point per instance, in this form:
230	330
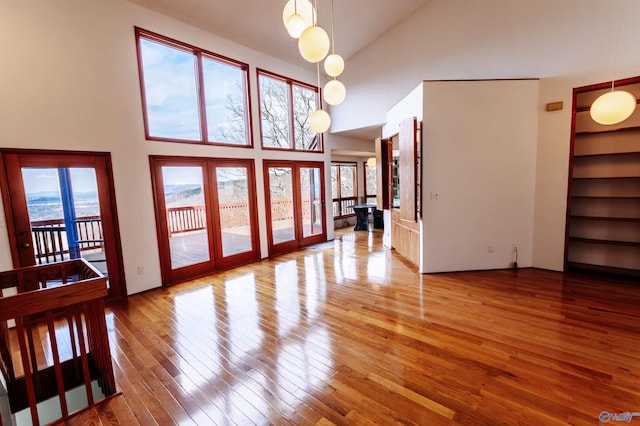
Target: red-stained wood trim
216	259
16	204
199	53
8	212
290	83
36	301
575	110
299	241
570	178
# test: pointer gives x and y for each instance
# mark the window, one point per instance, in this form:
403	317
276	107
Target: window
191	95
344	188
285	110
370	184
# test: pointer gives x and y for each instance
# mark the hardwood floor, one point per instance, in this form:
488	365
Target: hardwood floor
349	333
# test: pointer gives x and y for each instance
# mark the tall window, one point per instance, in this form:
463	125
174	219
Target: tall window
191	95
370	184
285	110
344	188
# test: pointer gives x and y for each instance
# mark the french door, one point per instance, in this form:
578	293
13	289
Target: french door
205	215
295	204
60	207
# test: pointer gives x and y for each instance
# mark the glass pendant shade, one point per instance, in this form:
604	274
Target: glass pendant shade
334	65
613	107
320	121
371	162
334	92
304	8
314	44
296	25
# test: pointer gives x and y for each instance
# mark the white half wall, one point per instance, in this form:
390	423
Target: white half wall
479	173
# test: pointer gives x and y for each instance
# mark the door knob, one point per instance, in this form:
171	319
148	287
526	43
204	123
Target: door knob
26	245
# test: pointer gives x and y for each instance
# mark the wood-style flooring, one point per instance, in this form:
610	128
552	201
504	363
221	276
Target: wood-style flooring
350	334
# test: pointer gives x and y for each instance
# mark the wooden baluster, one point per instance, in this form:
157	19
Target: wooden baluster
32	354
83	356
28	376
74	343
57	367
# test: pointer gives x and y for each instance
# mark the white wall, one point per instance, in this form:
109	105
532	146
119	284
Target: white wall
479	157
561	42
69	81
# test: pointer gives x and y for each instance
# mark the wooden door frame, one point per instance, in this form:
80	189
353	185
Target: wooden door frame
216	261
299	241
101	161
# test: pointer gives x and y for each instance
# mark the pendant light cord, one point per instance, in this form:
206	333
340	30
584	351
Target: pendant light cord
333	37
615	46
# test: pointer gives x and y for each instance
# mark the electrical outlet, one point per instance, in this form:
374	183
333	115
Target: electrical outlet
490	248
140	270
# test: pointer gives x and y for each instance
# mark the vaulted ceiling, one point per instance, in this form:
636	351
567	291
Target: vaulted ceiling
258	23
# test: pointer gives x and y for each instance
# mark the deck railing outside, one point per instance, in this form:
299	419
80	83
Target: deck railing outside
341	207
50	238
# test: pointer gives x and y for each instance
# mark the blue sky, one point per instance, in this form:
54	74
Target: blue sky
171	94
46	180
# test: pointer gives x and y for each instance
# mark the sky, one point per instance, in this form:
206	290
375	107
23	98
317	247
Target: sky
46	180
171	94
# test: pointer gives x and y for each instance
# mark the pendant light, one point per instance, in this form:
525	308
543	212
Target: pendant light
314	42
297	15
614	106
320	120
371	162
334	64
334	91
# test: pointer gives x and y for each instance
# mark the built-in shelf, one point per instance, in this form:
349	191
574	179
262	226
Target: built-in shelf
603	269
606	154
609	219
605	197
607	177
604	189
616	130
608	242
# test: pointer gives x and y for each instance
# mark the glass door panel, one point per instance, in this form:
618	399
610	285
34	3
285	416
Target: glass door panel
234	210
281	196
183	189
64	215
311	197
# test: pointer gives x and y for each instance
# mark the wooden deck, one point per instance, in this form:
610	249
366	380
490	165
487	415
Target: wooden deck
349	333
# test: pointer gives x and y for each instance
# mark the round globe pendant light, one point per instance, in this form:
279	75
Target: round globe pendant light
613	107
313	44
371	162
334	65
296	25
334	92
304	9
320	121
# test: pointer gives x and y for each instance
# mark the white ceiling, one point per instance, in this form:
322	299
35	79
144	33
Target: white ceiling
257	24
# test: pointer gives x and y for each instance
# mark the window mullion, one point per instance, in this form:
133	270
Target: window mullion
202	104
292	127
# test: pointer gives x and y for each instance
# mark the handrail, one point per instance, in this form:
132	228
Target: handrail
72	292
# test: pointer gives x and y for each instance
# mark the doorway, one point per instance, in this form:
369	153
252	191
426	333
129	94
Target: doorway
61	206
205	215
296	214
